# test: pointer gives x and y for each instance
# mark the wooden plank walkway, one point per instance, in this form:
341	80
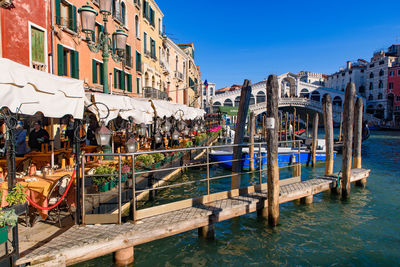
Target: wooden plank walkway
83	243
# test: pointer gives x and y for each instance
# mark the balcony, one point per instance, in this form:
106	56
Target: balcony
179	75
149	92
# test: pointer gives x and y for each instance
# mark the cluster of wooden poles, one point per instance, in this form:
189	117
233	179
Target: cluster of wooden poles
352	133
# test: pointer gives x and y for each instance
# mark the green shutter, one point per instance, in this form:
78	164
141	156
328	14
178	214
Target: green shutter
74	19
144	8
129	82
122	80
58	12
128	56
60	59
94	71
115	78
101	74
74	59
137	85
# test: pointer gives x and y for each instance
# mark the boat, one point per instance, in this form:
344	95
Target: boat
286	155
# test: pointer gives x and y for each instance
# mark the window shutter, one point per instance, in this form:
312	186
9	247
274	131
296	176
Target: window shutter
137	85
74	19
144	8
60	60
75	57
115	79
101	74
58	12
70	26
129	82
122	80
94	71
128	56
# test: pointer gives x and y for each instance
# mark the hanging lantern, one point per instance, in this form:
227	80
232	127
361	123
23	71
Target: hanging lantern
131	145
166	126
88	18
105	6
175	136
158	138
142	130
181	125
186	131
103	136
119	38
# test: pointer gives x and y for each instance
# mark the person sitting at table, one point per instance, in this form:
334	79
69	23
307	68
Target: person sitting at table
20	146
37	137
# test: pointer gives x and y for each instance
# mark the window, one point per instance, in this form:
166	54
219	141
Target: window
204	91
397	98
138	85
68	62
390	85
391	73
362	71
122	80
128	56
370	97
380	85
38	48
380	96
152	17
123	10
398	72
381	73
371	86
98	29
137	30
153	49
138	62
211	90
372	65
342	73
397	108
145	43
371	75
184	68
97	72
381	62
350	72
159	27
66	15
148	13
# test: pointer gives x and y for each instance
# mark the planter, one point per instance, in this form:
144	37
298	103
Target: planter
104	187
124	177
113	183
3	234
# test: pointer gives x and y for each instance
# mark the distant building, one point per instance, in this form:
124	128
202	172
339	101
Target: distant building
207	95
312	77
393	95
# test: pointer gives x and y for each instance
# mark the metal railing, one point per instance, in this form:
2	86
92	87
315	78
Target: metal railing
91	200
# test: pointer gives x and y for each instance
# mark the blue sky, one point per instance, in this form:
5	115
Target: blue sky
237	40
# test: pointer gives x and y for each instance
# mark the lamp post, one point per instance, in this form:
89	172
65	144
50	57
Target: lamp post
114	46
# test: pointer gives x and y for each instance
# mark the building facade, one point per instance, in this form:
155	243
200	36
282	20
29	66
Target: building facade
26	35
393	93
207	95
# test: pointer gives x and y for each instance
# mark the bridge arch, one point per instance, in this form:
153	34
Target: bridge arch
337	101
305	93
237	101
292	87
228	103
316	96
217	103
261	97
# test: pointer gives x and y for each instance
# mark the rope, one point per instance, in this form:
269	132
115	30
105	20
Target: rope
338	180
58	202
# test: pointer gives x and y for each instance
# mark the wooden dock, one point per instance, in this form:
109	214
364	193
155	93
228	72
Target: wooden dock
82	243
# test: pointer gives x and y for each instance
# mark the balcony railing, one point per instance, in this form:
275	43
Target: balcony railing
149	92
179	75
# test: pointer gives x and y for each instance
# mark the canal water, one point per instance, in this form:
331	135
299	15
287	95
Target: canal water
362	231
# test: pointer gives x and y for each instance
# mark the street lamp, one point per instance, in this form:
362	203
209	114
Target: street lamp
88	20
103	136
131	145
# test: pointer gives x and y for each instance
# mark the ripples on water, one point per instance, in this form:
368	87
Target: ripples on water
362	231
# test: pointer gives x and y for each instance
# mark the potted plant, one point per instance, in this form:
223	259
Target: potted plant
103	182
146	160
158	158
125	170
8	219
16	199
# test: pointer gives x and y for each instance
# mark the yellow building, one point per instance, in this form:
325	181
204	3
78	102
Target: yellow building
151	23
192	75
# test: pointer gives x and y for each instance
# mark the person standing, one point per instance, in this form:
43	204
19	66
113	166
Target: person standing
20	134
37	137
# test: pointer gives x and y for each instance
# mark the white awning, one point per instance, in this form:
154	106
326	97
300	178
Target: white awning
36	91
138	109
168	109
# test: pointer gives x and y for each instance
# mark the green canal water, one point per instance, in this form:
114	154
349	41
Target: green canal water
361	231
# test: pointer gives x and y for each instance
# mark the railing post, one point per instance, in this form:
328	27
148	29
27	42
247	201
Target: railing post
133	189
208	170
119	190
272	150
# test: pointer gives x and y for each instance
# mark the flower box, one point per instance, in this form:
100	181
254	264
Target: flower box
104	187
3	234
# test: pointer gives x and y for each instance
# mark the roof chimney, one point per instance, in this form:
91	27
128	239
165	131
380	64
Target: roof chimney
348	65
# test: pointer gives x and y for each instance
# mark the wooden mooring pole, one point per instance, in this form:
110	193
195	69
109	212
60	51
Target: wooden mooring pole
340	127
272	150
328	125
348	121
314	140
251	131
124	256
307	126
358	123
239	133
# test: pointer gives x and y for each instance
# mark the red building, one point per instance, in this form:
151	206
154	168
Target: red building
26	33
393	94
